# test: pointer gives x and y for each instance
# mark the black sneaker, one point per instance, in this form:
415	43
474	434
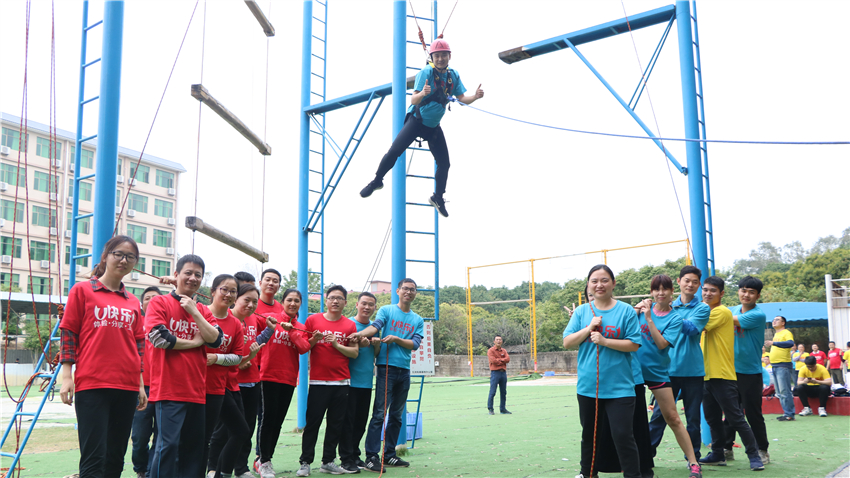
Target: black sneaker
490	411
360	463
350	467
373	464
395	461
438	203
373	186
505	412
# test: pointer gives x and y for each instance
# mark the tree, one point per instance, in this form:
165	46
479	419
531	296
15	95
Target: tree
44	329
291	282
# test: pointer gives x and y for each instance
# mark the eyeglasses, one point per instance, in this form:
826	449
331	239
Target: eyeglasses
336	298
226	291
408	289
120	256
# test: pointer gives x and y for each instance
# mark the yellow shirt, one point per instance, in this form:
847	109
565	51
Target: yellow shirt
847	356
820	373
778	354
718	345
800	365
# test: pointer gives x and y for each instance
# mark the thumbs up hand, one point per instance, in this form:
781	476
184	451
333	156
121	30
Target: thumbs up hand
479	93
426	90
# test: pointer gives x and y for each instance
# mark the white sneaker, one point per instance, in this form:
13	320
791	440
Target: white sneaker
211	474
806	412
332	468
247	474
266	470
822	411
304	470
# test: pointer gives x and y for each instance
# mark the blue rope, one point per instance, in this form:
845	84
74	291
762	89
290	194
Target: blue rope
455	100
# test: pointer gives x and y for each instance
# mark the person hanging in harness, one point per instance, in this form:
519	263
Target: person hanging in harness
434	85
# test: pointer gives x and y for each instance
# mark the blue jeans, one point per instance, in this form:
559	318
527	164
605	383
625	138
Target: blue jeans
498	378
395	382
143	426
690	391
782	377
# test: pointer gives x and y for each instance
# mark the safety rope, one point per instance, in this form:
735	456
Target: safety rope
265	128
200	110
447	20
596	410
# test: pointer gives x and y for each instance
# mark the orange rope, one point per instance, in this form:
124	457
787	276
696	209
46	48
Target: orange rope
596	411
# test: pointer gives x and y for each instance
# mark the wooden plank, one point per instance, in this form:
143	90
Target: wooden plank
200	93
261	17
197	224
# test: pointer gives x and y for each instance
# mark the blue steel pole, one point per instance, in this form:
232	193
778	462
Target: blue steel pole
107	130
303	199
75	208
689	105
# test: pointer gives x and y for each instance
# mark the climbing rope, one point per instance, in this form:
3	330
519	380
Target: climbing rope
200	109
447	20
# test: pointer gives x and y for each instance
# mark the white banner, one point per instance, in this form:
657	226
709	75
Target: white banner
422	359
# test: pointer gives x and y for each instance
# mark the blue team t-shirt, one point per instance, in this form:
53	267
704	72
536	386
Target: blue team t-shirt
655	362
433	112
361	367
637	373
617	381
686	355
749	339
391	320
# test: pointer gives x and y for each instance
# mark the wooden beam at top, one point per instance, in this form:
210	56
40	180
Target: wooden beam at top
197	224
200	93
261	17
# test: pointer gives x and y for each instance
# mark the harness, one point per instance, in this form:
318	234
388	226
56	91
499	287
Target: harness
440	94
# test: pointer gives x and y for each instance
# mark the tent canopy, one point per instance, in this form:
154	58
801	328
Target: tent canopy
797	314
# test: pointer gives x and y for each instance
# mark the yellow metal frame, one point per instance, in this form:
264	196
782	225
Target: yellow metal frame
532	298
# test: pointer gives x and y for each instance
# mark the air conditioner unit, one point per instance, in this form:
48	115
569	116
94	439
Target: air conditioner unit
117	209
6	259
169	251
120	179
53	196
57	163
172	192
2	222
79	269
172	221
131	213
68	234
70	199
5	150
133	182
71	166
53	231
45	264
134	276
4	186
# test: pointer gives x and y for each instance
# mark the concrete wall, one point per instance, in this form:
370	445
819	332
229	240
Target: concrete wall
458	365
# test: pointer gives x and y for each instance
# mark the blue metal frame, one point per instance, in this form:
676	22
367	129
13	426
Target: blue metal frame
650	66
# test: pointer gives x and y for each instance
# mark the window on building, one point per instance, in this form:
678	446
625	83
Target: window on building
83	225
42	182
11	138
161	238
42	148
138	233
144	174
80	251
42	251
163	208
10	213
141	264
6	248
137	291
42	216
7	175
66	287
164	179
39	285
120	161
87	158
8	281
161	268
137	202
85	190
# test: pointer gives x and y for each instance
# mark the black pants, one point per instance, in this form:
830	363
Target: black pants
690	390
324	399
721	398
412	129
354	427
498	378
749	396
144	426
179	449
104	421
211	414
620	416
251	401
806	391
606	448
230	434
259	417
276	399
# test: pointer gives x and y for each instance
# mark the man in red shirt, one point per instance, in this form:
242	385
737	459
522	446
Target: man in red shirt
329	381
818	354
269	286
833	359
178	330
143	422
499	359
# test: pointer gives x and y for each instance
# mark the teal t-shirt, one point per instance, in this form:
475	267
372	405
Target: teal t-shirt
749	339
655	362
686	355
361	367
637	372
393	321
615	367
433	111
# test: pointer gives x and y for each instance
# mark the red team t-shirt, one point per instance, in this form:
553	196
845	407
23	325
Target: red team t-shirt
178	375
220	377
265	309
252	327
834	358
819	356
326	363
279	362
108	325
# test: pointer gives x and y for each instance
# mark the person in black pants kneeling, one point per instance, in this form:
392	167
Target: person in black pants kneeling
814	381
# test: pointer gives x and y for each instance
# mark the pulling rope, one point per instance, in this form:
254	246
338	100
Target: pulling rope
596	410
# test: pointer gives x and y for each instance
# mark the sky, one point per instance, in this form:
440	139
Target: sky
771	71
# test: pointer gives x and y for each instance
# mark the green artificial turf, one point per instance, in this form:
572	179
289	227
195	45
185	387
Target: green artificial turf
541	438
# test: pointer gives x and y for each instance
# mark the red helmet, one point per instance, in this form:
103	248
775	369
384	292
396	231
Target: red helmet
439	45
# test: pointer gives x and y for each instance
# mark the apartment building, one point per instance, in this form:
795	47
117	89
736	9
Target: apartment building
150	216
